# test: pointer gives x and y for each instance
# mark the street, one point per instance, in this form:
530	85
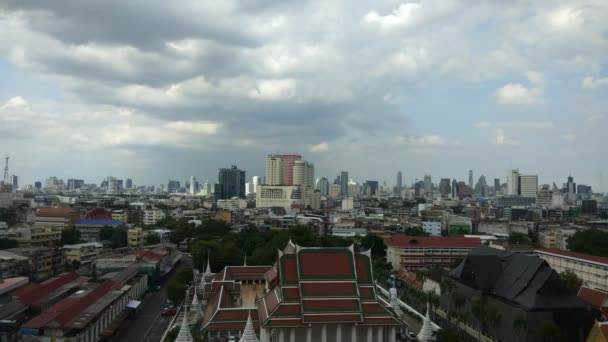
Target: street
148	325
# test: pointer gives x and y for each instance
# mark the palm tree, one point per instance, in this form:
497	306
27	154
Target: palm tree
520	326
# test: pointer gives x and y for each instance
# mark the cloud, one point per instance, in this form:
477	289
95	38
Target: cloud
274	89
320	147
569	137
426	140
517	94
595	117
594	83
535	76
483	124
15	102
501	138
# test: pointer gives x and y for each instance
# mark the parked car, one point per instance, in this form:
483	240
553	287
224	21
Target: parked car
412	337
169	311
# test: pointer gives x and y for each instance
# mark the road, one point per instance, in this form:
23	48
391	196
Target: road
148	325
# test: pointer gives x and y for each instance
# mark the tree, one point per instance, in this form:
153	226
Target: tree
518	238
416	232
8	243
8	215
549	332
572	281
376	243
446	335
70	236
591	241
520	326
152	239
176	291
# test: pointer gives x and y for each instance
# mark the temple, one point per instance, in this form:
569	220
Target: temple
309	294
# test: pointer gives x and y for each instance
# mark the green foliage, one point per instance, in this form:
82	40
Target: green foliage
416	232
376	243
8	215
176	291
152	239
591	241
571	279
116	235
549	332
446	335
70	236
457	209
8	243
519	239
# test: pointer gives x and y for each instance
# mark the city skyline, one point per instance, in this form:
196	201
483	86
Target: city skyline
433	87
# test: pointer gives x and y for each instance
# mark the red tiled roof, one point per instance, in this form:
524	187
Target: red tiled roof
51	313
324	289
331	305
313	264
604	329
402	240
583	256
84	302
56	211
31	293
592	296
364	269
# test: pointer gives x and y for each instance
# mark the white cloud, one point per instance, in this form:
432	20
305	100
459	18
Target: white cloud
320	147
403	15
595	117
483	124
426	140
569	137
277	89
501	138
565	18
594	83
535	76
517	94
15	102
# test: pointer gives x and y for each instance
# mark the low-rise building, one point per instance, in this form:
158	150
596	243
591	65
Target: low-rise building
56	217
135	237
43	262
459	226
555	238
592	270
35	236
84	253
89	228
12	265
433	228
283	196
120	215
149	217
418	252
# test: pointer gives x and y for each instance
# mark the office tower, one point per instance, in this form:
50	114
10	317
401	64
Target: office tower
344	183
255	180
370	188
74	184
528	185
428	184
570	187
513	182
480	187
323	186
337	180
497	187
37	185
119	184
129	183
444	187
231	183
193	187
14	181
249	188
399	180
583	189
303	174
454	188
288	164
51	183
274	170
544	197
173	186
471	179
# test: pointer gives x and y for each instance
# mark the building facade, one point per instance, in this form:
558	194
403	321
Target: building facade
270	196
593	270
275	171
56	217
231	183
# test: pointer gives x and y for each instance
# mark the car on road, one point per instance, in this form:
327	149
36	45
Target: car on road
169	311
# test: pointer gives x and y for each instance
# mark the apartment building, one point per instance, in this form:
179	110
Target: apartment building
84	253
89	228
419	252
43	262
12	265
149	217
35	236
593	270
135	237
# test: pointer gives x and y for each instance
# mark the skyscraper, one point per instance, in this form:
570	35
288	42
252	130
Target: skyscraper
344	183
497	187
471	179
231	183
14	181
513	182
274	170
370	188
570	187
256	181
303	174
288	163
454	188
193	186
528	185
428	184
129	183
445	187
399	180
480	187
323	186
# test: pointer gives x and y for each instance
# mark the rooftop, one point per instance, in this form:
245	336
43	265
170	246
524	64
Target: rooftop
95	222
56	211
569	254
402	240
594	297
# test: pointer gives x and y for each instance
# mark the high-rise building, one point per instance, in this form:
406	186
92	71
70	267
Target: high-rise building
471	179
370	188
274	170
544	196
528	185
570	187
193	186
303	174
231	183
399	180
14	181
288	164
74	184
173	186
256	181
454	188
129	183
444	187
513	182
323	186
37	185
428	184
344	183
497	187
480	187
52	183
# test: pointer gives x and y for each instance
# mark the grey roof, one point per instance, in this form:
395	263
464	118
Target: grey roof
524	279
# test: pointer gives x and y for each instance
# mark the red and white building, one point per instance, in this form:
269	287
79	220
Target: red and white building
406	252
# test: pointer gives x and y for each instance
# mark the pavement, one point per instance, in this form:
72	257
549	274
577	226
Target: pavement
149	325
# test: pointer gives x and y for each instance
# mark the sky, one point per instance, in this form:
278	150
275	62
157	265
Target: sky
158	90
